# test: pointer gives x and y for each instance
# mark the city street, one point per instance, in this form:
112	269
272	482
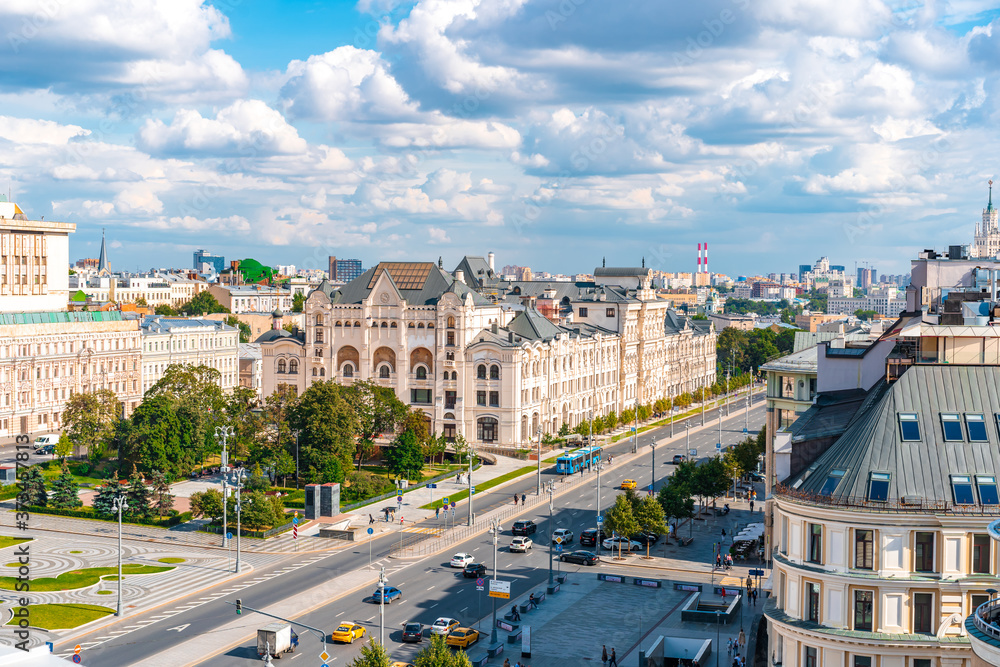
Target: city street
430	588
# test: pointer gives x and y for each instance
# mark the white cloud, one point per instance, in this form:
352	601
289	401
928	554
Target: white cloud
31	131
437	235
246	128
232	223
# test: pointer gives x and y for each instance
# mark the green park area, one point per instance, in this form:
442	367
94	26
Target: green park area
75	579
63	616
11	541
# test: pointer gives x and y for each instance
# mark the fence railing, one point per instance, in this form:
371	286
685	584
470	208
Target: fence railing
414	487
900	506
985	616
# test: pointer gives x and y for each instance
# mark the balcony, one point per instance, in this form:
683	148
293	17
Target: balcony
983	626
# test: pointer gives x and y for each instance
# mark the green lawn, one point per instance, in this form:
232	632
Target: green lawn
462	495
63	616
68	581
171	559
11	541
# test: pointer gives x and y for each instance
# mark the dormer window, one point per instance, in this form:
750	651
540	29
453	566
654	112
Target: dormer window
909	427
951	426
832	482
975	424
987	485
961	487
878	486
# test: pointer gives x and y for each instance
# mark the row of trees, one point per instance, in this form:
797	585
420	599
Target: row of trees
746	351
145	500
435	654
632	513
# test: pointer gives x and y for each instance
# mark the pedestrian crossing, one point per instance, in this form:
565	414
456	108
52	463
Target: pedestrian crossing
423	531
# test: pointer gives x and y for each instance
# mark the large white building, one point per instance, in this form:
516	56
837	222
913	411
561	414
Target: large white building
885	300
34	255
252	298
986	242
192	342
495	369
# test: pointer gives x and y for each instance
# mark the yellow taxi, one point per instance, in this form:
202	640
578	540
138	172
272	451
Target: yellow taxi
628	484
348	632
462	637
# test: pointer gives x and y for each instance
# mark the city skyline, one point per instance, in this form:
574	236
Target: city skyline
389	131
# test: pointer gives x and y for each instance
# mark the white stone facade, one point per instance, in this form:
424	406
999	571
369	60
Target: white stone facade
192	342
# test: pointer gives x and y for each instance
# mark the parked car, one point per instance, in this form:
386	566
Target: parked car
755	476
523	527
443	626
626	544
46	450
562	536
46	439
461	559
679	458
581	557
462	637
645	537
391	593
590	537
520	544
473	570
413	632
628	484
348	632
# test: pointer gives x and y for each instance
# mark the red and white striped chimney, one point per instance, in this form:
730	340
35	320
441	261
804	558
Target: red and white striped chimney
699	259
704	265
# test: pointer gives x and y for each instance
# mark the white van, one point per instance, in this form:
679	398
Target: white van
46	439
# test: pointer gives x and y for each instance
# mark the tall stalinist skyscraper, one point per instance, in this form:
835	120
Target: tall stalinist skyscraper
987	243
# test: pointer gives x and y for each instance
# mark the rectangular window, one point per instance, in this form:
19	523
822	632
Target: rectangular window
981	554
831	483
863	604
923	552
811	657
451	339
495	399
976	426
978	600
450	397
922	605
987	485
815	543
862	661
878	486
480	398
812	602
610	312
951	426
864	549
909	427
583	312
961	486
420	396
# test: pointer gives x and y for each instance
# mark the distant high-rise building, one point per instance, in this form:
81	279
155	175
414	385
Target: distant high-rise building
345	270
804	269
218	262
986	242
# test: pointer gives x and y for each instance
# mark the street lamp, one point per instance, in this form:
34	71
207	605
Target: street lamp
652	462
687	429
472	453
550	489
495	529
600	464
224	433
538	432
718	636
381	606
119	504
238	485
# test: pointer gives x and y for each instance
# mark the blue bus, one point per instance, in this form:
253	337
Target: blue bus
592	456
584	458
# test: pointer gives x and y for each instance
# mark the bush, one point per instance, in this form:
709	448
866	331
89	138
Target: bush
80	469
362	485
88	513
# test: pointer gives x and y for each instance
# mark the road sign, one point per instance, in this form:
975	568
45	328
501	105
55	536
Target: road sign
229	536
370	531
324	656
479	588
600	519
295	520
453	507
499	589
558	548
432	486
77	648
744	429
480	582
692	452
718	446
445	500
472	489
756	573
76	658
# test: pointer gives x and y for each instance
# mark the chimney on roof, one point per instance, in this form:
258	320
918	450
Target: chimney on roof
490	258
510	336
460	276
494	328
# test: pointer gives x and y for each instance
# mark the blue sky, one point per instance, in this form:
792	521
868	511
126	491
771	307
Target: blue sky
551	132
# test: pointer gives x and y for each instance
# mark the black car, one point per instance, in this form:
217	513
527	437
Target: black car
645	537
580	557
591	536
413	632
46	450
523	527
678	458
473	570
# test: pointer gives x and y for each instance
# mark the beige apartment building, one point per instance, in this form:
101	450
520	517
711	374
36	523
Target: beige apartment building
189	342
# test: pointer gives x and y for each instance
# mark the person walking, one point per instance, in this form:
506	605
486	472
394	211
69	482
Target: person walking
614	659
371	519
515	500
751	507
437	512
723	534
506	662
523	498
604	655
742	639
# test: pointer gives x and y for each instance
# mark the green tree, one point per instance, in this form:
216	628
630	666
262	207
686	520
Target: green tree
103	503
599	424
242	413
283	466
206	503
436	446
649	516
141	301
298	302
564	429
163	500
155	439
326	469
89	419
32	490
326	423
203	303
257	512
711	479
138	497
65	490
65	446
437	654
416	423
620	520
406	457
461	448
373	654
610	421
245	331
865	314
166	311
627	417
676	501
195	396
378	411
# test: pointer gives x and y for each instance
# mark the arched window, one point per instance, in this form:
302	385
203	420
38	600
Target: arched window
337	323
430	325
357	324
451	322
494	372
486	429
315	372
392	326
374	325
410	326
322	372
421	373
385	326
481	372
348	371
319	320
282	366
420	325
383	372
293	366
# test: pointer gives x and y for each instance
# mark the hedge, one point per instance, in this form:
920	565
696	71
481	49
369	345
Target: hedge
88	513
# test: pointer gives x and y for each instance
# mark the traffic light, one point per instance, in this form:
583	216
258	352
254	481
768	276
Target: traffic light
239	606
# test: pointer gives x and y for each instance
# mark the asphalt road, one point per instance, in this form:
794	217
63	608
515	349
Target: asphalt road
430	588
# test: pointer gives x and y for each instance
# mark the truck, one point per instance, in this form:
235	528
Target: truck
277	637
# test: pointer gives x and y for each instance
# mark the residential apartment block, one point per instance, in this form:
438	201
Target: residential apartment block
193	342
252	298
34	256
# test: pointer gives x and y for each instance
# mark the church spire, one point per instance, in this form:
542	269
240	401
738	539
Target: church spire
102	262
989	206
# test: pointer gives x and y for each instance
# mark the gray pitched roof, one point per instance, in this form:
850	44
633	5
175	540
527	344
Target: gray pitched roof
275	334
478	273
873	442
425	291
621	271
531	324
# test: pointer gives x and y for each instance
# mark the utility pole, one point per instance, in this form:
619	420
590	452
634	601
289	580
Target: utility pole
381	606
238	485
495	531
652	461
538	433
550	490
687	426
471	454
119	504
224	433
600	464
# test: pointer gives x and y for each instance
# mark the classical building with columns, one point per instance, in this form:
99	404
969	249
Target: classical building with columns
497	365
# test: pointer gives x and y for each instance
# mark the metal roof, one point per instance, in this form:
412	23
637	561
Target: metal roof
60	317
410	280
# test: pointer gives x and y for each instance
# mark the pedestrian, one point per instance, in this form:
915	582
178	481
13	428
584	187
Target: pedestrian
515	500
743	639
523	498
514	614
371	519
723	534
506	662
614	659
751	506
729	646
718	561
532	601
723	595
437	512
604	654
754	596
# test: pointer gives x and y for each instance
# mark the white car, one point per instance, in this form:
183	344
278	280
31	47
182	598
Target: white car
562	536
443	626
625	543
520	544
461	560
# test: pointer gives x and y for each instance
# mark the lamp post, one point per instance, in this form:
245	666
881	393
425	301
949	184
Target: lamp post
119	504
550	489
381	606
600	464
495	532
702	406
538	433
471	454
652	462
224	432
718	635
238	485
296	460
687	444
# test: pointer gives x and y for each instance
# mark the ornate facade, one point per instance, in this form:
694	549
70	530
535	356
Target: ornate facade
986	243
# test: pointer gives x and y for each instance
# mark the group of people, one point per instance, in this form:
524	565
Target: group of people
517	663
735	648
723	561
523	499
606	660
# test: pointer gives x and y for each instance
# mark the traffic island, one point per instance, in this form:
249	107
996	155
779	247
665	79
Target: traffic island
60	616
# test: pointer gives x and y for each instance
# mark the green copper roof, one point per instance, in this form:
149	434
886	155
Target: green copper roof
59	317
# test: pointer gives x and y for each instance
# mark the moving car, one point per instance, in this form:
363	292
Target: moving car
348	632
461	560
520	544
645	537
626	544
523	527
462	637
581	557
562	536
413	632
46	450
628	484
473	570
678	458
590	536
443	626
391	593
46	439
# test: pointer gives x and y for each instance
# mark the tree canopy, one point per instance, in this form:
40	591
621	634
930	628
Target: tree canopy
89	420
203	303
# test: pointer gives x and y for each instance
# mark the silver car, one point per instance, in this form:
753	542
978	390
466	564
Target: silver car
520	544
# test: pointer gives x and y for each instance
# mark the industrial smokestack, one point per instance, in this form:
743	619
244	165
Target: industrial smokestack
699	259
705	263
490	257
